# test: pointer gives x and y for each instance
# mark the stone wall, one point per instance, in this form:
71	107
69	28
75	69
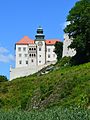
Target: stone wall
25	71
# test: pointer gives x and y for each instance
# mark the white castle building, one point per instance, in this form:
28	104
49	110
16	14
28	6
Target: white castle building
33	55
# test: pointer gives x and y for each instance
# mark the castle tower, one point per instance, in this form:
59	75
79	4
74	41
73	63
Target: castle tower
41	49
67	51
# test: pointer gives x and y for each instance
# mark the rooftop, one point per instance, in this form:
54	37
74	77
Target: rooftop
26	40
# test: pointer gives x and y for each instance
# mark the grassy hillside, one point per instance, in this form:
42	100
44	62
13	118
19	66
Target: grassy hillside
56	113
64	87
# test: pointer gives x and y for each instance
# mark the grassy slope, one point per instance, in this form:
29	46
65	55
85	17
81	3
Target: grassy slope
62	87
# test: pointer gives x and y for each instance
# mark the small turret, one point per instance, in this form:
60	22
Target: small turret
39	35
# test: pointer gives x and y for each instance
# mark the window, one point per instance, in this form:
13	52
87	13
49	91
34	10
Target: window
25	55
48	55
19	48
24	49
32	61
29	48
39	55
26	62
48	49
20	55
30	55
39	49
39	61
20	62
34	55
34	48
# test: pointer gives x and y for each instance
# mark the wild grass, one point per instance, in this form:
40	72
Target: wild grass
65	86
55	113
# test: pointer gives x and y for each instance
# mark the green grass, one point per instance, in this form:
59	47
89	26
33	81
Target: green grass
49	114
64	87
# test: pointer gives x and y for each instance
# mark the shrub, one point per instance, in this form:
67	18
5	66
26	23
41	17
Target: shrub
3	78
65	61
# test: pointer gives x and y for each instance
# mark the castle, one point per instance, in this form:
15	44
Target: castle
33	55
67	51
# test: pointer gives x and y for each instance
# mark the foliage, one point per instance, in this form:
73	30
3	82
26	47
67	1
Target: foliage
58	49
65	61
3	78
79	30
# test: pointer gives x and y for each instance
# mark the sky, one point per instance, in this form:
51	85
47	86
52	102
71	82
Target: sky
19	18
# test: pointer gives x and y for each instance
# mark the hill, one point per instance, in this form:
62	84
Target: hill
63	86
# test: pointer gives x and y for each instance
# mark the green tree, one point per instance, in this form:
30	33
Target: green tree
3	78
79	30
58	49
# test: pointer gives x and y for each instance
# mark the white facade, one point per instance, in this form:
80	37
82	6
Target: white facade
21	55
50	54
41	52
32	55
67	51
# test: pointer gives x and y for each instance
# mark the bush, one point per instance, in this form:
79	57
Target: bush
65	61
3	78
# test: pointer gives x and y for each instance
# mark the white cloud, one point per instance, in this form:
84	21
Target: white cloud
5	56
3	50
65	24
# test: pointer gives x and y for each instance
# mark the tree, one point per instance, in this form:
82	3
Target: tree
79	30
3	78
58	49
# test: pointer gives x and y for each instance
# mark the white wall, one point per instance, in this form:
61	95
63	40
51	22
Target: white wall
25	71
67	51
22	58
40	54
50	54
32	59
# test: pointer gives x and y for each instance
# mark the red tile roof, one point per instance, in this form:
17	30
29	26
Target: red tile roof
52	41
25	41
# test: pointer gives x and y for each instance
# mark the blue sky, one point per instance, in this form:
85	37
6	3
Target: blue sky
22	17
